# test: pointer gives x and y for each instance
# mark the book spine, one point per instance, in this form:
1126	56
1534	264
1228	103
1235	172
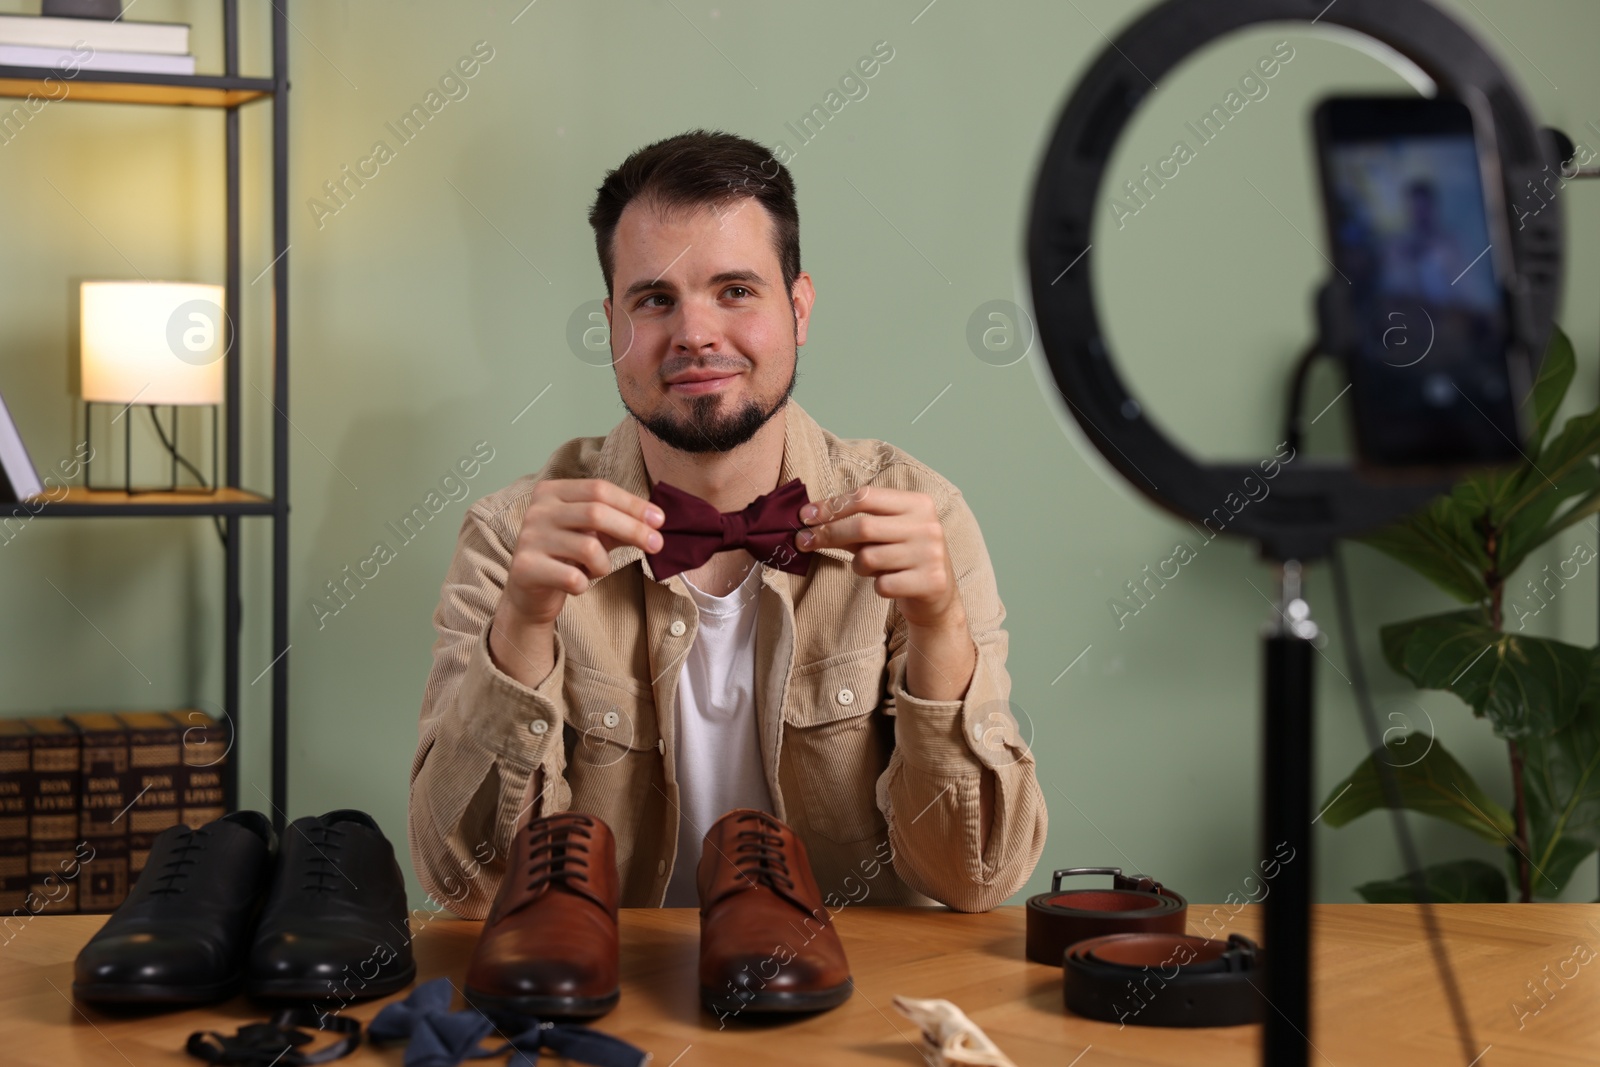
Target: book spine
15	790
36	32
139	854
53	824
152	780
105	879
130	62
104	882
205	760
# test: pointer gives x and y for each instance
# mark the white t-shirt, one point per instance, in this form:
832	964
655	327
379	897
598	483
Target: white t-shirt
718	753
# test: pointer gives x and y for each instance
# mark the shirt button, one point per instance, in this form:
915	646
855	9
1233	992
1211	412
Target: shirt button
677	629
661	746
539	726
611	719
845	697
661	868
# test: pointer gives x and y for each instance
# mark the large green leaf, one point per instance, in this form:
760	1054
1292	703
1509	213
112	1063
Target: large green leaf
1526	686
1573	447
1394	637
1456	882
1458	517
1547	514
1439	544
1561	784
1555	375
1580	510
1477	493
1432	783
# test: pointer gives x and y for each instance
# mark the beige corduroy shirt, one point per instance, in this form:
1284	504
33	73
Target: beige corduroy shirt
882	786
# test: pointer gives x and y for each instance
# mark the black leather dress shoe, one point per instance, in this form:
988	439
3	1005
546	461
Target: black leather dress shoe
333	928
182	933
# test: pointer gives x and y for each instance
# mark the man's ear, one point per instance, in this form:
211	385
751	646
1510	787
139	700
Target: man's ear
606	303
801	298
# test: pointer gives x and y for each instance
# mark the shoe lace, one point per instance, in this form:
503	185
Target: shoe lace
759	855
174	878
321	872
559	850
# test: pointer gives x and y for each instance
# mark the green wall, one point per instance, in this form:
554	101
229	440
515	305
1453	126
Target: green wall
434	305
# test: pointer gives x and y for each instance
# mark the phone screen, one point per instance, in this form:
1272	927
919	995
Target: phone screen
1412	238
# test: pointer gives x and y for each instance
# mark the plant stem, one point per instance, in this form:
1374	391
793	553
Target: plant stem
1496	584
1519	808
1520	814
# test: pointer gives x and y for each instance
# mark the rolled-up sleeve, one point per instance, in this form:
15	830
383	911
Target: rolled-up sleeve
948	752
483	735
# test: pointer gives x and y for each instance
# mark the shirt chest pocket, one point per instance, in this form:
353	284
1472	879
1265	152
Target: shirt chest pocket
613	758
835	744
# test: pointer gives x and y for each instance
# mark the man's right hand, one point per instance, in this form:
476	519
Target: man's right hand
568	531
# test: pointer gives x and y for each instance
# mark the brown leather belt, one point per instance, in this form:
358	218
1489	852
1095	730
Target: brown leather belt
1133	904
1164	980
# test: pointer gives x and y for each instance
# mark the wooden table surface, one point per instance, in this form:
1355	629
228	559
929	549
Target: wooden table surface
1378	1000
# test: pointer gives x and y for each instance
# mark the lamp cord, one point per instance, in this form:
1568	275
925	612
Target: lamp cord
1402	830
178	457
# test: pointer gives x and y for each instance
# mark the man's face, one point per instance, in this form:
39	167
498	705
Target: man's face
703	335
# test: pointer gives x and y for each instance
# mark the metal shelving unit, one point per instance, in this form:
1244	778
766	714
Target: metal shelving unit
231	502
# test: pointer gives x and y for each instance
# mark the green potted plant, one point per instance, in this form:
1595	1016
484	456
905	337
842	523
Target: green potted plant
1540	696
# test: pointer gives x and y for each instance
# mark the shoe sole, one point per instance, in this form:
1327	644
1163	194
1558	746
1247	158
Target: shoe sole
303	989
720	1003
146	993
545	1007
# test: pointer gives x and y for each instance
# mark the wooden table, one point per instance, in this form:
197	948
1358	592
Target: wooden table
1379	1001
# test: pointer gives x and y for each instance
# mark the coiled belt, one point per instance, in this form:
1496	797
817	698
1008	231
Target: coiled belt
1133	904
1164	980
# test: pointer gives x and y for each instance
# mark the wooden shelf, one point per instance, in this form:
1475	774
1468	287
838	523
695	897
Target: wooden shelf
224	93
114	503
118	87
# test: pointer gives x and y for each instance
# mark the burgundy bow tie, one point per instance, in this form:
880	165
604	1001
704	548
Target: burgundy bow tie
695	531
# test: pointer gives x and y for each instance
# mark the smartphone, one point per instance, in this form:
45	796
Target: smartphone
1419	301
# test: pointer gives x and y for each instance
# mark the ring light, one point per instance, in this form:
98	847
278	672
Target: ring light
1312	503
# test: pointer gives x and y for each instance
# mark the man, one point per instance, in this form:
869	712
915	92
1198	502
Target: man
863	702
1424	261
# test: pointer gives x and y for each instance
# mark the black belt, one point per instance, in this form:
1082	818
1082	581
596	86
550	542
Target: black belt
1133	904
1164	980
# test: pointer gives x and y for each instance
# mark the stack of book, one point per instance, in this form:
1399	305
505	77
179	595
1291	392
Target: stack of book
83	797
95	44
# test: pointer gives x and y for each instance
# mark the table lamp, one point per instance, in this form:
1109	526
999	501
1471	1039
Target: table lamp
152	344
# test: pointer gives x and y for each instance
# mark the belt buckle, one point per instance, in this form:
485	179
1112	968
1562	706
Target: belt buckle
1137	882
1240	954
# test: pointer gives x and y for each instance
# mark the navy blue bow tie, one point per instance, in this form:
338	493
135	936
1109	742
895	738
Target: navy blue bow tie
440	1037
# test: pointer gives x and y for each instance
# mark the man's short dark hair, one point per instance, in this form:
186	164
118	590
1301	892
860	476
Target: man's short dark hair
701	168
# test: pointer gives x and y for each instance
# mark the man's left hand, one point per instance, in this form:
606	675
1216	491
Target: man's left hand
899	542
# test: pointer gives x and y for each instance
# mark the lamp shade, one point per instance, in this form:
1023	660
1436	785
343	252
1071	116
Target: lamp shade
152	342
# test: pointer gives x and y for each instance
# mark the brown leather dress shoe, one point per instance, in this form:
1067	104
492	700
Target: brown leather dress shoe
549	945
767	944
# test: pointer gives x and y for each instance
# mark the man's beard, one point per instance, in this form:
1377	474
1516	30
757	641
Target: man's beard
703	430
